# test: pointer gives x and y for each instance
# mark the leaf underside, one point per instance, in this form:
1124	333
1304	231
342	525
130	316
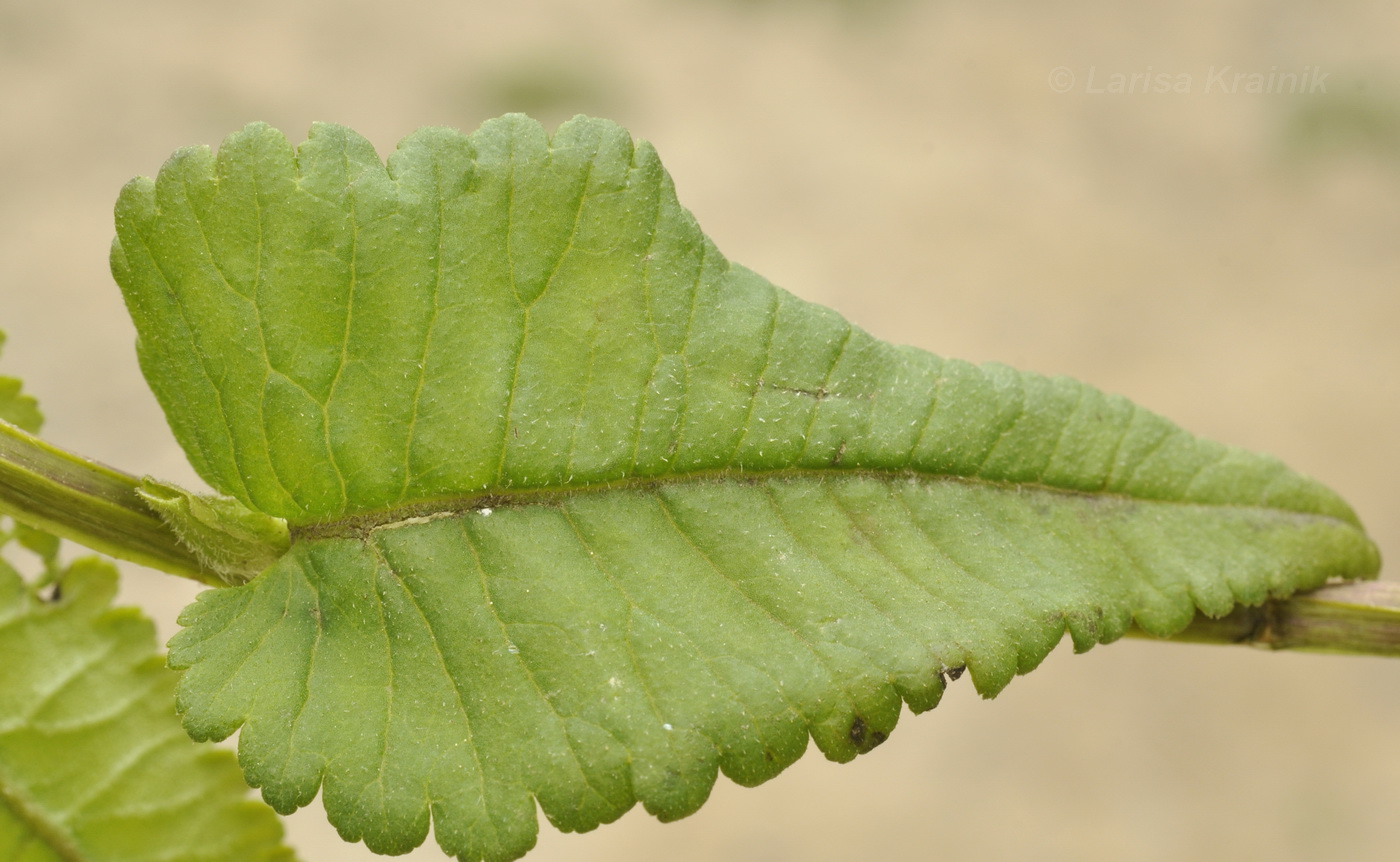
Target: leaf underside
583	513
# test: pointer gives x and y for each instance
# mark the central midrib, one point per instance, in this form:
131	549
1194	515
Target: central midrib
361	525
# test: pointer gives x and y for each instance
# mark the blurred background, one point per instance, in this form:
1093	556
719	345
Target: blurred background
1196	205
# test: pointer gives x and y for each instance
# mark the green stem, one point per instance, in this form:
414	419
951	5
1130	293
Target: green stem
1357	618
60	492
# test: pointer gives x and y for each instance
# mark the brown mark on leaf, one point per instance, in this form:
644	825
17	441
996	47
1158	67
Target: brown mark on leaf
863	737
821	393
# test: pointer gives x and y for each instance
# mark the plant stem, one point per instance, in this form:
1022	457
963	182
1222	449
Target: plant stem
68	495
1357	618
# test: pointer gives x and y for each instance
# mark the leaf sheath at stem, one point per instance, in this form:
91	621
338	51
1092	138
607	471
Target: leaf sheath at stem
1360	618
51	489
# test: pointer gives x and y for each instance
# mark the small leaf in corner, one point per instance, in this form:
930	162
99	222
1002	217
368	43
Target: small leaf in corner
93	765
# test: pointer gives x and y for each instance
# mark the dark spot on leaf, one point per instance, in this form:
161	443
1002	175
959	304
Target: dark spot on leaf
858	731
863	737
952	673
840	453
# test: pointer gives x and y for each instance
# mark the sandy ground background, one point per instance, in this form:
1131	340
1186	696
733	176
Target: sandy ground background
949	175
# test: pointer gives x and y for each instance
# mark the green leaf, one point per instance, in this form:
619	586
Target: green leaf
16	407
582	513
93	764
